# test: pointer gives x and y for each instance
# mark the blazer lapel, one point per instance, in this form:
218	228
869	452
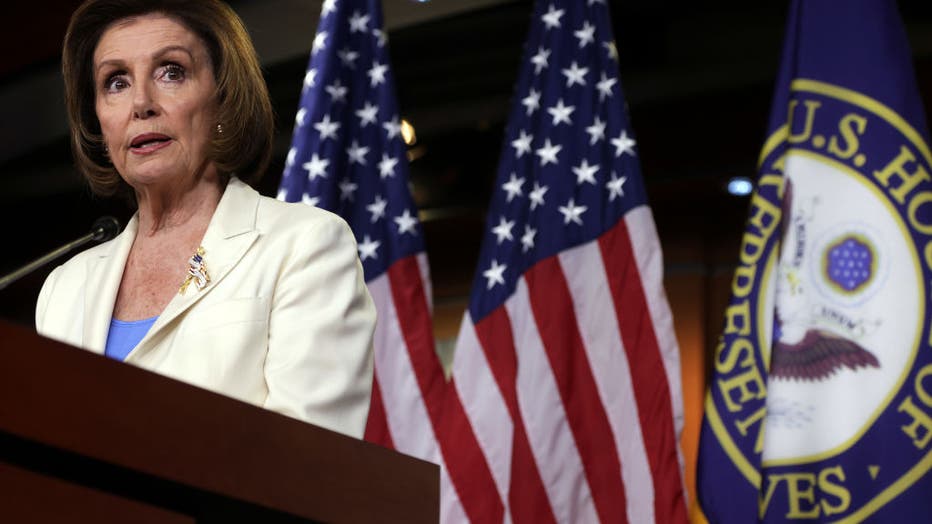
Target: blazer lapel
104	274
232	230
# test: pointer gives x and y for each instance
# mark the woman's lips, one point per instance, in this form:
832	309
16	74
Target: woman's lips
148	143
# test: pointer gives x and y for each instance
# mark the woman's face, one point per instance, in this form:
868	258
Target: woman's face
155	99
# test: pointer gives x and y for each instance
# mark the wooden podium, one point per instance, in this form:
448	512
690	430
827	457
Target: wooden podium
87	439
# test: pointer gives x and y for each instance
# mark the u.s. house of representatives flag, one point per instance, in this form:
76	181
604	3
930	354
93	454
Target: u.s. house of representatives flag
347	156
820	408
566	362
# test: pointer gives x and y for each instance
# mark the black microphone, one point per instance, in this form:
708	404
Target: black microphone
104	228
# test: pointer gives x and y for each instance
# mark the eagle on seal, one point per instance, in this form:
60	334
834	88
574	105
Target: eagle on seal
801	351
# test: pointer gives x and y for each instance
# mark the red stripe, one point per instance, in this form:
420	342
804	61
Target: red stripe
377	425
526	494
553	311
651	389
461	453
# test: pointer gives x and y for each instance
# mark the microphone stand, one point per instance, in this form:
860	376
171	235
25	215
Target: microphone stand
104	228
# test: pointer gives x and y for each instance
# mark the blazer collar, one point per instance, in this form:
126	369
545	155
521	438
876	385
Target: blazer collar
230	233
104	273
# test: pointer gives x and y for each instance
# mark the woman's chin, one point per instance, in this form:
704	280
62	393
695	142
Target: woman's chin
153	176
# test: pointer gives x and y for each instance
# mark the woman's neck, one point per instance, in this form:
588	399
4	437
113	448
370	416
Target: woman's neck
177	208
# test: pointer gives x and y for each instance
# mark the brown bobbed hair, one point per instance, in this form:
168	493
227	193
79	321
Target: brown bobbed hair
244	108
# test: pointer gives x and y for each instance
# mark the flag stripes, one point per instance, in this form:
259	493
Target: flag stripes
650	373
595	311
377	425
415	378
552	306
578	404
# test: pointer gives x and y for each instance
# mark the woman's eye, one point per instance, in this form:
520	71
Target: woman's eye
172	72
115	83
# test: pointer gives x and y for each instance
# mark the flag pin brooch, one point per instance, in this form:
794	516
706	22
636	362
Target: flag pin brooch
197	272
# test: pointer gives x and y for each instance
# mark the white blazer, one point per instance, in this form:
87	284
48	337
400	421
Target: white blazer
286	321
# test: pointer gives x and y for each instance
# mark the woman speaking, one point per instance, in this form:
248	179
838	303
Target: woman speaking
209	283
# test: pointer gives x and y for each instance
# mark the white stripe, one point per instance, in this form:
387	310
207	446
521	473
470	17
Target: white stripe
544	416
484	405
598	325
405	413
649	257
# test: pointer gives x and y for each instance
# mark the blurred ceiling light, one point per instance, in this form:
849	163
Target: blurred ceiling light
407	132
740	186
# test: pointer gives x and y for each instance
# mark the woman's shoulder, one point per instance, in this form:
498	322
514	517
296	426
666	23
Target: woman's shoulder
79	262
282	216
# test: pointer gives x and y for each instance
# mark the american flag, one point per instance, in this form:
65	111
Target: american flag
347	156
566	363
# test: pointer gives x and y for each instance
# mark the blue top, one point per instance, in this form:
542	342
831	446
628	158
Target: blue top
124	335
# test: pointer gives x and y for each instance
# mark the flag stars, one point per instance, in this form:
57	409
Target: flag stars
300	116
548	153
320	42
380	37
357	153
316	167
614	187
336	91
585	173
367	248
377	208
527	239
540	60
561	113
572	213
392	127
596	131
348	57
522	144
312	201
326	128
502	231
531	101
377	74
513	187
552	17
405	222
387	166
347	189
359	23
575	75
623	144
537	196
292	154
494	275
605	86
586	35
328	7
367	115
310	78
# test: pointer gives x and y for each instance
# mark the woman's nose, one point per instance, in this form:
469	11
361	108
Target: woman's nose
144	105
